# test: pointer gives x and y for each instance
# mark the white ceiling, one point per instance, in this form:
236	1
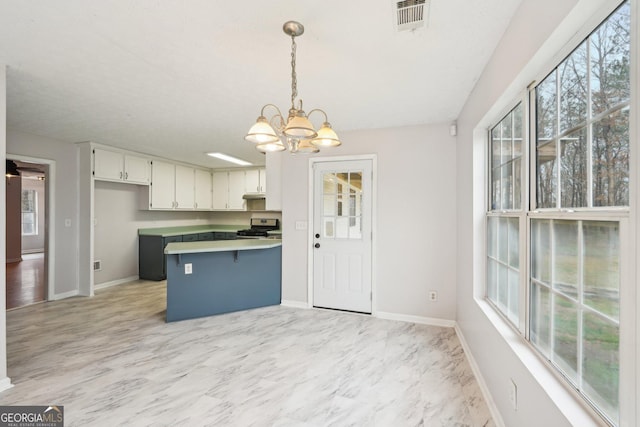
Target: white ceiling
178	78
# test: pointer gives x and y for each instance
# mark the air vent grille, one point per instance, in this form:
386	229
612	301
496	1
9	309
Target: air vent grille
411	14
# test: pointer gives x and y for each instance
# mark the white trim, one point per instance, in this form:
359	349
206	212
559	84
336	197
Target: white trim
495	413
432	321
374	222
116	282
294	304
32	251
64	295
50	217
5	384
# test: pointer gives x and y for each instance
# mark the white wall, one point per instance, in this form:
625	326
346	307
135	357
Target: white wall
416	234
35	243
118	218
66	190
537	36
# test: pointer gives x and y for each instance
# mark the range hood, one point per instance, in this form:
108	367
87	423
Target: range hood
254	196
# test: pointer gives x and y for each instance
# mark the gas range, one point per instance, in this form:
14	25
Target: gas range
260	227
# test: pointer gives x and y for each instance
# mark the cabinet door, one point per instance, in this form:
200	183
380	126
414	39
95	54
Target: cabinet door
136	170
107	165
163	178
220	190
203	190
252	180
263	180
185	187
236	190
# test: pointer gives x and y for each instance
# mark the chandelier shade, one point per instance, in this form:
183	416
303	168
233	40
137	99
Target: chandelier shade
326	137
297	134
262	132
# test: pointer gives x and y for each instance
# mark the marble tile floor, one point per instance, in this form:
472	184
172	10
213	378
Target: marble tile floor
111	360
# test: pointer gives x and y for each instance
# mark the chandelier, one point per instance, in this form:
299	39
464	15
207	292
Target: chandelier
297	133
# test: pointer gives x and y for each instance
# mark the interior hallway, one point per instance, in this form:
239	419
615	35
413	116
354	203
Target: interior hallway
26	281
112	360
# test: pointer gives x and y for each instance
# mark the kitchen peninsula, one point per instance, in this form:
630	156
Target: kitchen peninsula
213	277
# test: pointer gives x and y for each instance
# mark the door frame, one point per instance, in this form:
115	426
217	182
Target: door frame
374	223
49	217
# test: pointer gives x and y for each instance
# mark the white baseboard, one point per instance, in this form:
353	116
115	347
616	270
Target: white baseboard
5	384
294	304
65	295
415	319
32	251
115	282
497	418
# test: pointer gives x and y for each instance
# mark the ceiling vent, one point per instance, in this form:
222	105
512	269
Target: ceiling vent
411	14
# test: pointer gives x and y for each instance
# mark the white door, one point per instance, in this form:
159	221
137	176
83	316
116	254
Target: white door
342	210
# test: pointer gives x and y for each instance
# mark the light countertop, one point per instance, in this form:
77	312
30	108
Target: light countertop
220	246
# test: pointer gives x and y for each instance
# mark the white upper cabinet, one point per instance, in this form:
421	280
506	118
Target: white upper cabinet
185	188
163	181
120	167
237	189
203	190
256	181
228	189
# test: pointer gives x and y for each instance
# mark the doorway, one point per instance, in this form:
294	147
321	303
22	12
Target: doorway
342	234
27	207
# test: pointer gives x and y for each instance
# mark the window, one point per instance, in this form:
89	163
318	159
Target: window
571	225
504	218
29	212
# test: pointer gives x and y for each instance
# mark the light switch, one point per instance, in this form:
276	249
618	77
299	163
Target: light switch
301	225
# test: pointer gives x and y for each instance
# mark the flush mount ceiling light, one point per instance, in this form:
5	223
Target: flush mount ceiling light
229	158
297	133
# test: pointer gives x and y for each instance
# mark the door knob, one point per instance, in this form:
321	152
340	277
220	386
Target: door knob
317	235
317	245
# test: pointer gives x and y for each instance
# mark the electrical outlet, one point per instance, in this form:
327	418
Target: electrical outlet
97	265
188	268
433	296
513	394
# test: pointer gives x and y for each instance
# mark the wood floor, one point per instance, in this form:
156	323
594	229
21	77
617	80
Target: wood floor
26	281
112	360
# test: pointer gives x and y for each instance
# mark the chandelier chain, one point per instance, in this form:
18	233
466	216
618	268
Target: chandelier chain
294	79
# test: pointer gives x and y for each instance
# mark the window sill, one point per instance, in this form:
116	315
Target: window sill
568	401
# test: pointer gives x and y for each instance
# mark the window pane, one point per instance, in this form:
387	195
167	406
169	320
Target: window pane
565	335
328	229
573	87
492	234
574	167
600	363
609	45
518	130
507	143
342	227
507	186
541	250
546	109
601	267
329	205
611	160
496	190
503	236
514	243
546	175
503	279
565	260
517	184
540	326
514	292
492	280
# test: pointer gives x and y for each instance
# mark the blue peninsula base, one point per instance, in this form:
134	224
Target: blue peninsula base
222	281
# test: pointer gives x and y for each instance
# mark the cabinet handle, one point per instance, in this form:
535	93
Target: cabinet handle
126	175
258	189
120	175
